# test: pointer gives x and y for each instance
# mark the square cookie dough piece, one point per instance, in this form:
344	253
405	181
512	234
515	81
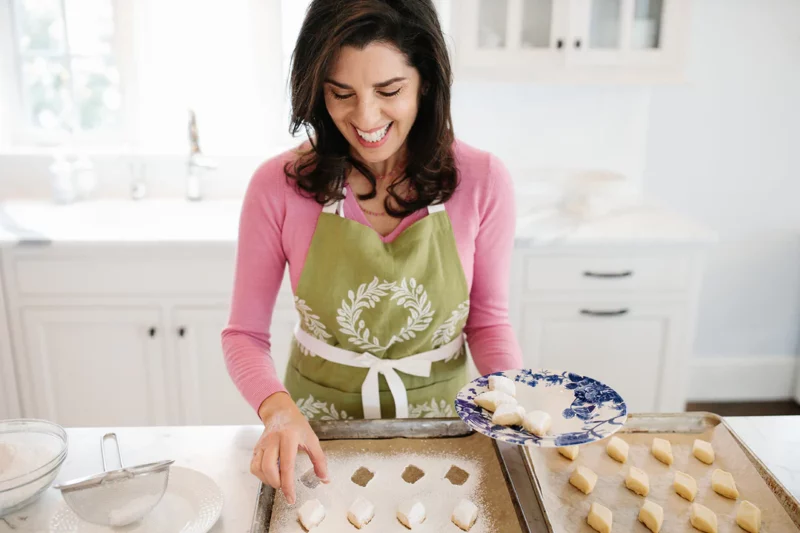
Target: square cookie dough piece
411	513
583	479
703	519
465	514
703	451
651	515
748	517
617	449
685	485
508	414
311	514
502	384
638	481
537	422
361	512
600	518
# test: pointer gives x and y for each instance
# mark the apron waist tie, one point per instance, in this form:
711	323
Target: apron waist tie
415	365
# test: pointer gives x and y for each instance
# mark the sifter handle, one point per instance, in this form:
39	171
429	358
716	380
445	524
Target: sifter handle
103	450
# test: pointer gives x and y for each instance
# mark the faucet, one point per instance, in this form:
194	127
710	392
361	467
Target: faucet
197	161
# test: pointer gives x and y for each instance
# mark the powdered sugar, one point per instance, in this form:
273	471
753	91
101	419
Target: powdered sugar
22	453
386	491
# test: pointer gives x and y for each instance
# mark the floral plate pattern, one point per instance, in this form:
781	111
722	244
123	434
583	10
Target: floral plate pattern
582	409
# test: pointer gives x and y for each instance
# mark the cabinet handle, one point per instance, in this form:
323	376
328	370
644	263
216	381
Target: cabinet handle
610	313
181	331
152	332
577	43
560	44
608	275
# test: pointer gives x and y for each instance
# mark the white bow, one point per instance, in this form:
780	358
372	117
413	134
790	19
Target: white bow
370	393
415	365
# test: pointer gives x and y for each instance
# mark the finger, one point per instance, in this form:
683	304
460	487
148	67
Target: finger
255	464
269	464
288	455
318	458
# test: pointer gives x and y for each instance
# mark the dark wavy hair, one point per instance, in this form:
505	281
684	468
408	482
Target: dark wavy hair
411	26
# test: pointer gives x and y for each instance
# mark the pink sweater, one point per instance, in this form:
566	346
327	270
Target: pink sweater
276	227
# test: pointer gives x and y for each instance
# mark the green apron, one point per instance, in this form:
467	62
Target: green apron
381	324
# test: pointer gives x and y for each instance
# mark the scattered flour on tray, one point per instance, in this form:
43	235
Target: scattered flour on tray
386	491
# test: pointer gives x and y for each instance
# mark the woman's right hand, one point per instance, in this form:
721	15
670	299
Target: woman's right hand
285	431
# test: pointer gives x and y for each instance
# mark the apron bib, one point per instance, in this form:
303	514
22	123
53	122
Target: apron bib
380	331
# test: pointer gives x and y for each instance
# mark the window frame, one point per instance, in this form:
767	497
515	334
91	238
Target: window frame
18	130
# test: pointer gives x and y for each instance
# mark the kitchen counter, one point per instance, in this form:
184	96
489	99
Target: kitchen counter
223	453
156	221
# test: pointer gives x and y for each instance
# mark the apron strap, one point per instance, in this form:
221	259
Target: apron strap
337	207
415	365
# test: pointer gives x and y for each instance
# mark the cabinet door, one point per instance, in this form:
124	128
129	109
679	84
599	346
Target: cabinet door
634	33
93	366
628	347
207	393
510	34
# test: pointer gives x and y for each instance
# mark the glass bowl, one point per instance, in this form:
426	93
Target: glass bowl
31	455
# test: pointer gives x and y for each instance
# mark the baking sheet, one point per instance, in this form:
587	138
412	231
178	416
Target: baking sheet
387	458
567	508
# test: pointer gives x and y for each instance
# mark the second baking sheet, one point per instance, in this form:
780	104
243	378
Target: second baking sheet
567	508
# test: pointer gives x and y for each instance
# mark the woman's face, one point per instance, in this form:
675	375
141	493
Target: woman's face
372	96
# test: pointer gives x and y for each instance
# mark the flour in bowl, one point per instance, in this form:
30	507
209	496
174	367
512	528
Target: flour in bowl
22	453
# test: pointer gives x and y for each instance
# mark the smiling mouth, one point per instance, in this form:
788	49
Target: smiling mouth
374	136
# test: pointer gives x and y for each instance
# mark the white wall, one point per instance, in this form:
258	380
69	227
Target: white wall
535	127
725	149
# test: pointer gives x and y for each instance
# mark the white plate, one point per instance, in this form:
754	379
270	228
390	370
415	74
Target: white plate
582	409
192	504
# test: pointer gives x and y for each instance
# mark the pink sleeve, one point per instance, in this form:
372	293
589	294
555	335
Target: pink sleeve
260	264
491	339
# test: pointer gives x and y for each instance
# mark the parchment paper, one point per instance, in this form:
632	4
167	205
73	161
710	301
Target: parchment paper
567	507
486	487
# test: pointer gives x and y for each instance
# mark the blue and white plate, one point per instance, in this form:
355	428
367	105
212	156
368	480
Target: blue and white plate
582	409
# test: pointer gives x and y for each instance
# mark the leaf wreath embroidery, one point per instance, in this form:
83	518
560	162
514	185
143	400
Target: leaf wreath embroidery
315	409
312	323
432	409
349	314
447	331
412	296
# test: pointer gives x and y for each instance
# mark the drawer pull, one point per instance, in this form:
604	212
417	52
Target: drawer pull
610	313
608	275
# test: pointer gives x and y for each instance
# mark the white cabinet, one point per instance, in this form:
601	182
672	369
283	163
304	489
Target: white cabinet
110	335
207	396
206	393
618	314
570	40
93	366
620	343
9	399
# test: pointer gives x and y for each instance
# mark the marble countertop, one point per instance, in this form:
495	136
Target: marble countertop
154	221
223	453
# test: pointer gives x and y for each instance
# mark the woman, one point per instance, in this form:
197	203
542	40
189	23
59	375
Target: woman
398	238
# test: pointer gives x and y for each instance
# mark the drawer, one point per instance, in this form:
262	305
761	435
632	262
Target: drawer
58	276
548	273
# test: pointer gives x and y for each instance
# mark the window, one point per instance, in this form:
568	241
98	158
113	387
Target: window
66	65
122	75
